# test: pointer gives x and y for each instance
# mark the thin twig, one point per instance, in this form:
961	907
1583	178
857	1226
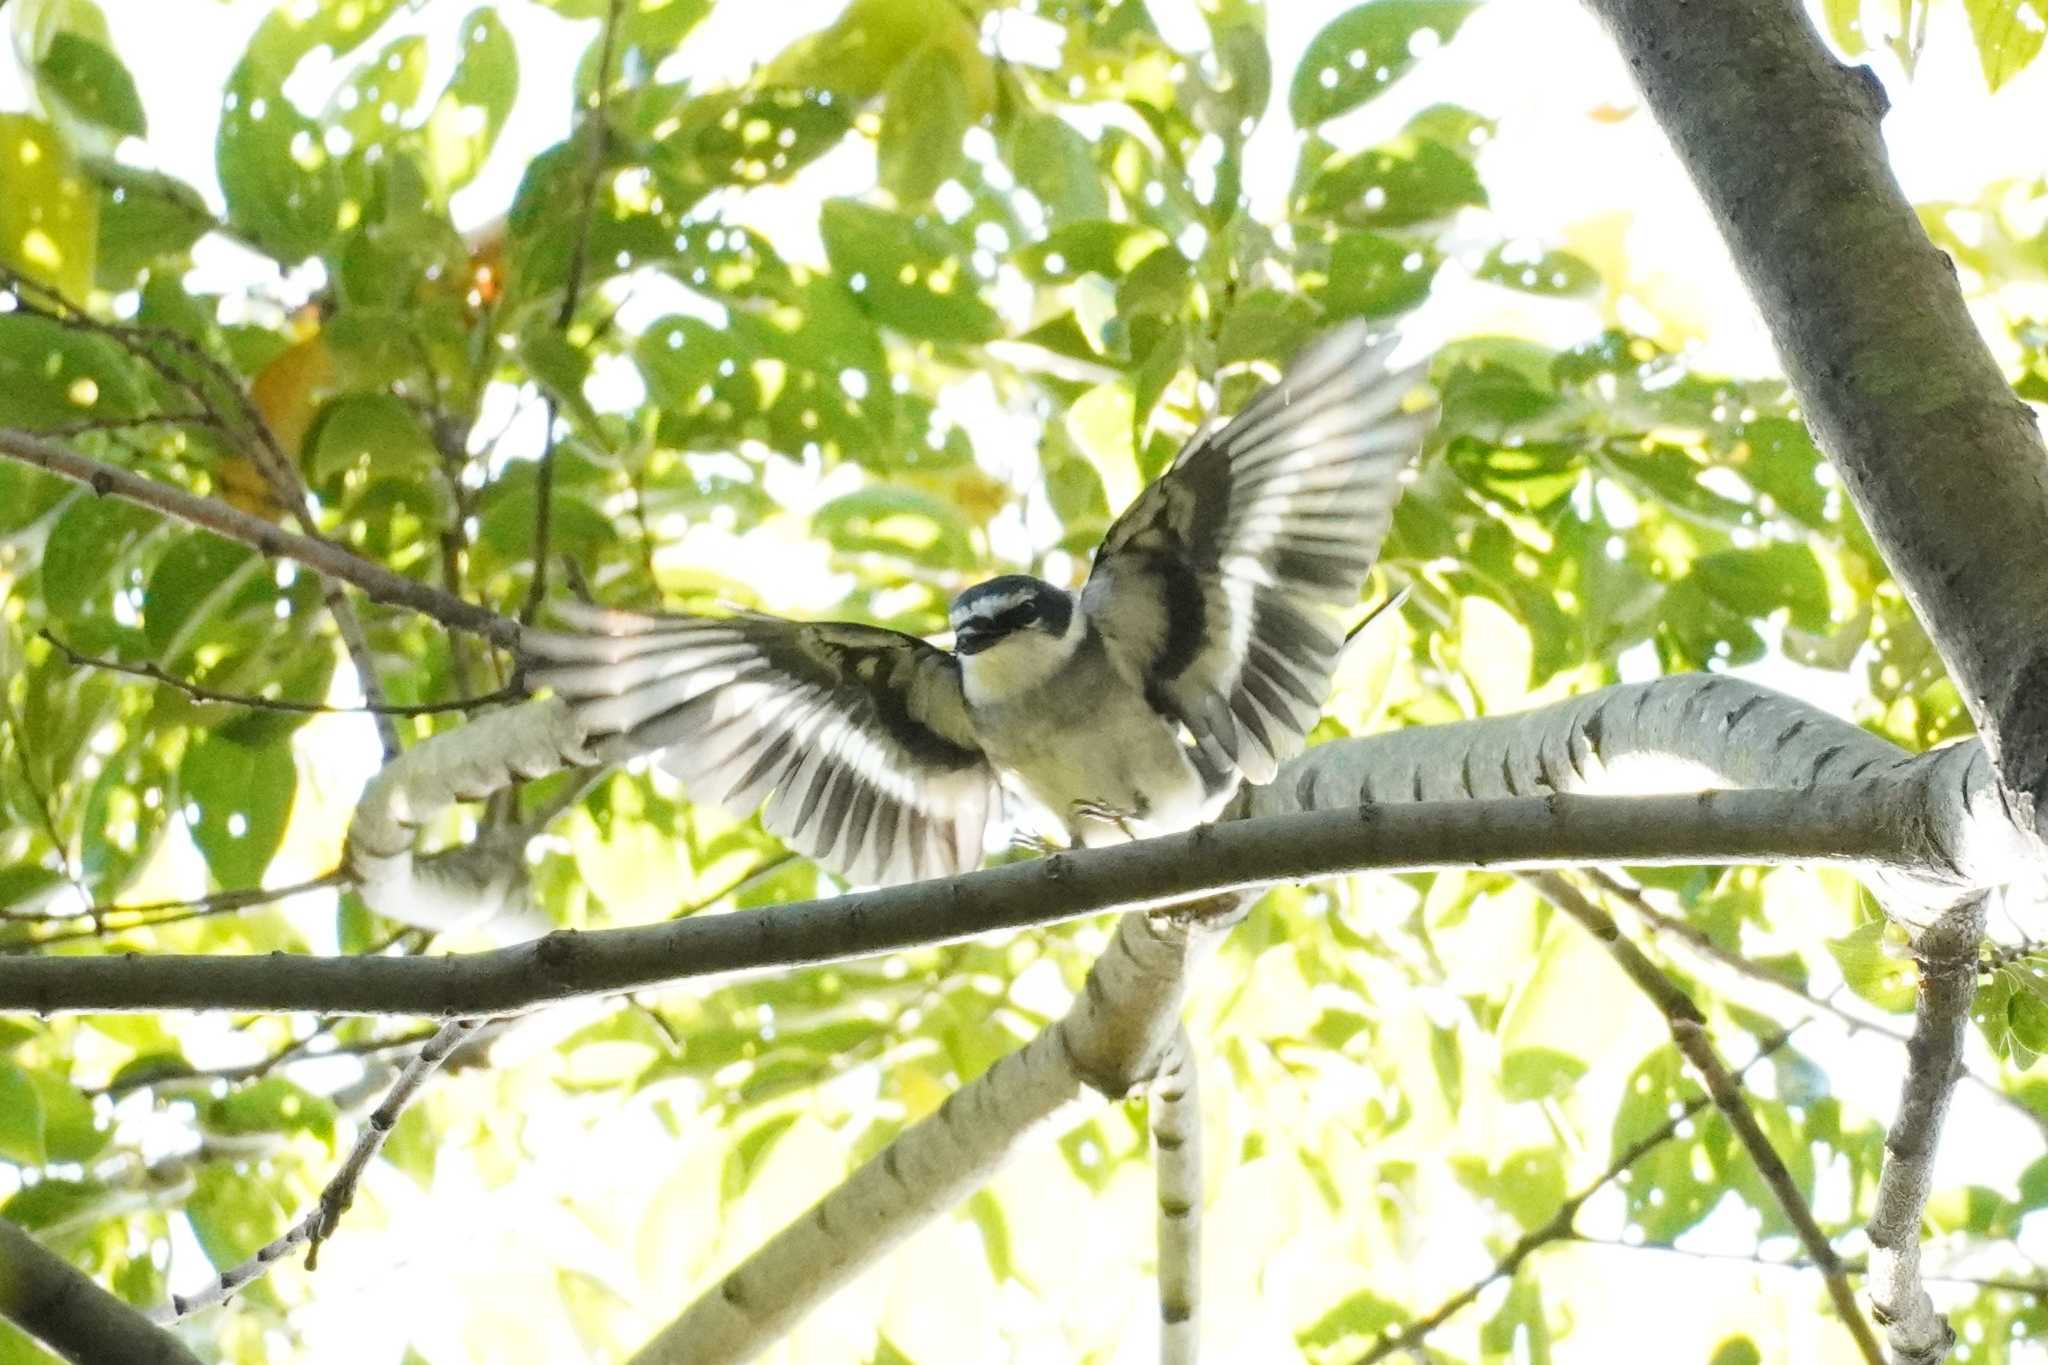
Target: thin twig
1699	941
198	692
595	130
1854	1265
319	1224
1559	1226
1688	1030
217	903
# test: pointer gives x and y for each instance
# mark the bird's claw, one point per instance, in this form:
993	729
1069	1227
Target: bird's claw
1031	841
1085	809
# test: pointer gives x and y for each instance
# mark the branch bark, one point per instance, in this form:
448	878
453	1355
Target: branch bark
1934	1062
377	582
1860	824
1689	1032
1944	462
1119	1034
60	1306
1176	1119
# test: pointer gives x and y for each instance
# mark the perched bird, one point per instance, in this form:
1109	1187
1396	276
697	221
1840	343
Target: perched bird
1197	656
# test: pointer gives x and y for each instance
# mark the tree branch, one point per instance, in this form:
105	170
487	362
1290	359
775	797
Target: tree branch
1689	1032
319	1224
1559	1226
1681	732
1119	1034
1853	823
377	582
60	1306
595	130
1176	1121
1934	1059
1783	144
154	673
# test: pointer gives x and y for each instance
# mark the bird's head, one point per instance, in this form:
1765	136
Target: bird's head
1010	612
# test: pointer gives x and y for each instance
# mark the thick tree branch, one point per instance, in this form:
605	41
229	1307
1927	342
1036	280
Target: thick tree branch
1689	1031
1934	1060
1119	1034
377	582
1859	824
1677	733
60	1306
1944	462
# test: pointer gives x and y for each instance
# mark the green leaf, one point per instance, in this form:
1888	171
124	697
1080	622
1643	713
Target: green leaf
193	576
243	798
1090	246
1538	1073
1372	276
271	1105
1404	182
51	1201
70	1132
21	1118
49	215
1872	972
2008	35
1753	583
472	110
376	432
1845	26
92	82
1358	1319
87	546
52	374
144	217
1052	160
234	1215
373	103
1736	1351
896	521
1554	274
924	115
909	274
26	888
1364	50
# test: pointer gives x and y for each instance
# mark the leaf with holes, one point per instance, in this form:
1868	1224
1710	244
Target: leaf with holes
240	799
1364	50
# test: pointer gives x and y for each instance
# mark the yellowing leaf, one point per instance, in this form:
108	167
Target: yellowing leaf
49	211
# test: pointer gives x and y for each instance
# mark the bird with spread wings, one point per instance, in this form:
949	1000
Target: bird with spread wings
1197	656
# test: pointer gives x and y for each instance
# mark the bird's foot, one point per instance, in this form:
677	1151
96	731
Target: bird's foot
1034	842
1111	815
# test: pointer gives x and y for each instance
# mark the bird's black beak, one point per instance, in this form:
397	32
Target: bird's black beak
972	639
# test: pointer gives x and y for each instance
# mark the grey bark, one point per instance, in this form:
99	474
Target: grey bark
1943	461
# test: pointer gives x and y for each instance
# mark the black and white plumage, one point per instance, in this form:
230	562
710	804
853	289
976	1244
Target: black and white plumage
1197	655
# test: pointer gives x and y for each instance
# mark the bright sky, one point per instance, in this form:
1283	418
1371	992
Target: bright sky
1575	164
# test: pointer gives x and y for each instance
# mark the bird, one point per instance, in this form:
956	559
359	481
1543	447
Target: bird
1196	657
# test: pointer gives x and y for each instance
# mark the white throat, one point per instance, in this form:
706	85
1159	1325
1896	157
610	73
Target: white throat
1018	664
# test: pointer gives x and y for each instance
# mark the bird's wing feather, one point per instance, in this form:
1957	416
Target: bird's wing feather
856	737
1215	587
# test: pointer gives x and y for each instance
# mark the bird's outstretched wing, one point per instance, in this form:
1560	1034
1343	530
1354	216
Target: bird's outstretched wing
857	737
1215	587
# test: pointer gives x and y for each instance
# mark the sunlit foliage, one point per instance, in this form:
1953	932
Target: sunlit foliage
922	295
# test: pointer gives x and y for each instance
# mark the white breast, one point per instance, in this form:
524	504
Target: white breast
1065	727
